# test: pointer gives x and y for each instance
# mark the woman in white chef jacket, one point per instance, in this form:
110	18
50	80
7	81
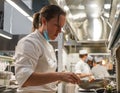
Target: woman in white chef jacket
35	58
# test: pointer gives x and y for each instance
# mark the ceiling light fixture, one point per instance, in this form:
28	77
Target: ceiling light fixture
93	5
107	6
13	3
118	6
66	8
95	15
5	34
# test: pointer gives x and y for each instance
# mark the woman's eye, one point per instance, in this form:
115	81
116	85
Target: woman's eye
57	25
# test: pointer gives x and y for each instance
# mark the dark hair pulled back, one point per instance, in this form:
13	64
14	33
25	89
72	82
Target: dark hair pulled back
49	12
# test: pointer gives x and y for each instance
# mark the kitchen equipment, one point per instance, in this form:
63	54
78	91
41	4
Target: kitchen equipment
98	83
5	77
2	88
112	78
86	91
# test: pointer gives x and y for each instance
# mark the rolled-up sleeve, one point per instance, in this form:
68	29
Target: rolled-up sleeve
26	58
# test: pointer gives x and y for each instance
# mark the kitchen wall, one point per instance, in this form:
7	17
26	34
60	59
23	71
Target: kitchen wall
14	22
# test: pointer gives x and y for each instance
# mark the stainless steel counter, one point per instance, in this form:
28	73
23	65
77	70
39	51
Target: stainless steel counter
4	89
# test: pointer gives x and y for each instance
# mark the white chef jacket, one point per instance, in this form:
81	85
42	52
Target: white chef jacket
34	54
100	72
82	67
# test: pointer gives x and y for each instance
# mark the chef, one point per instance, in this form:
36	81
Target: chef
35	60
99	71
90	61
82	69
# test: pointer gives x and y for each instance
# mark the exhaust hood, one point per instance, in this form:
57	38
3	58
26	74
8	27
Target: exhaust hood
87	18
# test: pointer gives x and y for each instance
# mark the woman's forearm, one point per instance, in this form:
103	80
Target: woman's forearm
37	79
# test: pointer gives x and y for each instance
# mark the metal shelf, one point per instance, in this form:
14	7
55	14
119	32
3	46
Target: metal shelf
7	58
115	33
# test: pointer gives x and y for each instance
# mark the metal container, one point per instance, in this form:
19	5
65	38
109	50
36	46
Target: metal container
98	83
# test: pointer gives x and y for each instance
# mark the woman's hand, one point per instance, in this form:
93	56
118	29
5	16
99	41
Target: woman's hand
69	77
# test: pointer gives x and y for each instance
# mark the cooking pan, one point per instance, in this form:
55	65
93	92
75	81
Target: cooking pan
112	78
98	83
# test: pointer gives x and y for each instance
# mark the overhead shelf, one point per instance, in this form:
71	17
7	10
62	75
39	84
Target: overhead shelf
6	58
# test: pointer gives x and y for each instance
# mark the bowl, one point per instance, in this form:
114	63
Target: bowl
98	83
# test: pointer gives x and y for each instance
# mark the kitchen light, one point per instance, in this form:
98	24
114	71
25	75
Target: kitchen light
5	34
118	6
107	6
30	18
12	3
66	8
93	5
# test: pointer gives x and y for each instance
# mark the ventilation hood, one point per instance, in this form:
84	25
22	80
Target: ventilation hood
88	19
89	23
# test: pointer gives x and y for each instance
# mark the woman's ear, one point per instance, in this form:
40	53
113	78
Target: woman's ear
44	21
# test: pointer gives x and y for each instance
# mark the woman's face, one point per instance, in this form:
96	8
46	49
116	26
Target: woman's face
54	27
